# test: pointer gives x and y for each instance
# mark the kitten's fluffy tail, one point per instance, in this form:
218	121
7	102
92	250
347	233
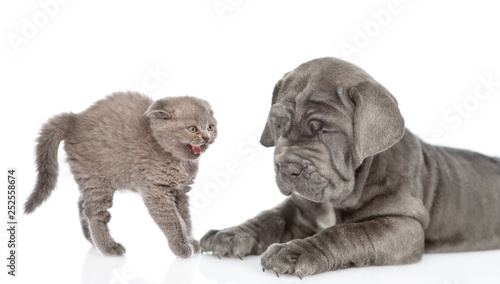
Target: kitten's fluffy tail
51	135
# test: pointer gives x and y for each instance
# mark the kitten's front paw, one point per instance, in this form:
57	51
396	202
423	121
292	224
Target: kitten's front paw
195	245
232	242
291	258
112	249
183	250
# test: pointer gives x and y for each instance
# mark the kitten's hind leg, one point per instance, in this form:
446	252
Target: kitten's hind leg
163	209
96	202
84	222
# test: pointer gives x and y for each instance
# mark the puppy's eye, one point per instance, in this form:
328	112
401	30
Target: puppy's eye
315	126
211	127
192	129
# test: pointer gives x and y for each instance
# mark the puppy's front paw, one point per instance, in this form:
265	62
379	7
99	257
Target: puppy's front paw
291	258
232	242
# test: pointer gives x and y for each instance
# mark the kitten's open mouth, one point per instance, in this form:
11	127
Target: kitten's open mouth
196	150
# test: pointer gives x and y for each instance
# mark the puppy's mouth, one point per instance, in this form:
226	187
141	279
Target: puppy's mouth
195	150
308	183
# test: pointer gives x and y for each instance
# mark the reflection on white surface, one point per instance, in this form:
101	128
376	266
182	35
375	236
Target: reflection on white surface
99	269
182	269
457	268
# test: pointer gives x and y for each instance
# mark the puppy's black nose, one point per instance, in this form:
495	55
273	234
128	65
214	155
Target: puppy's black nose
290	171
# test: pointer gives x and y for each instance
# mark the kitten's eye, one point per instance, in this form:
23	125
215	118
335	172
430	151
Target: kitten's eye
211	127
192	129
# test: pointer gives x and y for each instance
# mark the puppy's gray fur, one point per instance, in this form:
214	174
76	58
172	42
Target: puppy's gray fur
363	189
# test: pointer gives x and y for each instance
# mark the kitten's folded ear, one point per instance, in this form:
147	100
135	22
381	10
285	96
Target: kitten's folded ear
157	111
158	114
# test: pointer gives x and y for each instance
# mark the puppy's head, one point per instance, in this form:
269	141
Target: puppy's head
327	116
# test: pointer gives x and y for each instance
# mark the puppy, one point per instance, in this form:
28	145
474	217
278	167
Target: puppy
363	189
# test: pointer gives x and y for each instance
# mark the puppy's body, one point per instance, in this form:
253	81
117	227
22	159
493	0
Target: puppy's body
461	192
453	193
363	190
127	141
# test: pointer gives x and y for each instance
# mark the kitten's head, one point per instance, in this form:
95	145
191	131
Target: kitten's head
183	126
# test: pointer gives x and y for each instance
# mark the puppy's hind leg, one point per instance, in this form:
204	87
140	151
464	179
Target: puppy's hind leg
84	222
96	202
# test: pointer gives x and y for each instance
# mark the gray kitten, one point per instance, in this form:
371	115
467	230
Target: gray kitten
127	141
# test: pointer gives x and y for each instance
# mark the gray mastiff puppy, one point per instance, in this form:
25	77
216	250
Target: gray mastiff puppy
363	191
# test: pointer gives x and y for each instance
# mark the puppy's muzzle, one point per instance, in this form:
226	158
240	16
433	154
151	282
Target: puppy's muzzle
292	166
290	171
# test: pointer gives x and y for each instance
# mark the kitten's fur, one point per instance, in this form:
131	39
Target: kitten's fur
126	141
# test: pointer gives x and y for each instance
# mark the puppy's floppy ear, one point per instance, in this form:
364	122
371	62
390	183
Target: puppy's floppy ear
157	111
378	124
266	139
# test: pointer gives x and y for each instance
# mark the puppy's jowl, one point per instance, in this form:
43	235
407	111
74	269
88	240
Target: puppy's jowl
363	189
127	141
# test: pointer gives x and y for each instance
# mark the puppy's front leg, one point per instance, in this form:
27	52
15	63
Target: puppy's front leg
162	206
254	236
382	241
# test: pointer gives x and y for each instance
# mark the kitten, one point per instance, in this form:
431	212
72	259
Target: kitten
126	141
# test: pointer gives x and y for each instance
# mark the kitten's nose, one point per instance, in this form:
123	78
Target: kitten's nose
205	138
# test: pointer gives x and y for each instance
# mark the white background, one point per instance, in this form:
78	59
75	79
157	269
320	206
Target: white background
429	54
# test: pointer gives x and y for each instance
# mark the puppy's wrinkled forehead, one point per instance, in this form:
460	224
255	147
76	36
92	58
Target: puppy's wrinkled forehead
323	80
